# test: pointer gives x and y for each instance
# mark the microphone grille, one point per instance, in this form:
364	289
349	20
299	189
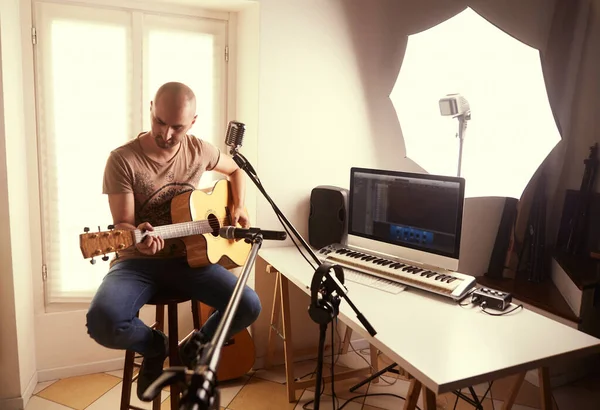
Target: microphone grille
235	134
227	232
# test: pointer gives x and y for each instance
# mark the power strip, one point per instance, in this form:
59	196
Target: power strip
493	299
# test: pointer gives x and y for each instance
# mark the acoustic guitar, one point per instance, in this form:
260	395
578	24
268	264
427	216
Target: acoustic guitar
197	217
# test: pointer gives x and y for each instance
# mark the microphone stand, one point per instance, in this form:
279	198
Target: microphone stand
331	287
201	393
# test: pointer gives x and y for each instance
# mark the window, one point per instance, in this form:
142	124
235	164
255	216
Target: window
97	70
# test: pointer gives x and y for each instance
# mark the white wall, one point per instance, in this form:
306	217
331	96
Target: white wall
16	249
314	119
9	360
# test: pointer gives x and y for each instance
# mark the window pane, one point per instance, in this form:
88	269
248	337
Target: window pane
195	58
89	105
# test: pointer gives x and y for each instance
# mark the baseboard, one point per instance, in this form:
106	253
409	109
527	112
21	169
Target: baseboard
19	403
259	362
567	372
556	379
12	404
360	344
567	288
33	381
80	369
532	377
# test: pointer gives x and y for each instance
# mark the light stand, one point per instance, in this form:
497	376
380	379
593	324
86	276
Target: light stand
462	130
457	106
201	393
330	287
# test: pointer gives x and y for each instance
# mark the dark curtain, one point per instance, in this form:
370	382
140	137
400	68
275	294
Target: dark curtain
560	60
562	55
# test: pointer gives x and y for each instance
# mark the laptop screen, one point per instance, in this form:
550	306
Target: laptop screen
417	211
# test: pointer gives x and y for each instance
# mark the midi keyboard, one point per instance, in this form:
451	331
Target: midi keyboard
391	274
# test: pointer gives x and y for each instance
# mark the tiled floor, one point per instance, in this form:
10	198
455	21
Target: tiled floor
265	390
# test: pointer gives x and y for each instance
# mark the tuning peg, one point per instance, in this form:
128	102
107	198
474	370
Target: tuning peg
111	227
86	229
105	258
93	261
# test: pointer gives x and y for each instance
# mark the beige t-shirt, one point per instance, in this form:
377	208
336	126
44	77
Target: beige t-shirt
154	184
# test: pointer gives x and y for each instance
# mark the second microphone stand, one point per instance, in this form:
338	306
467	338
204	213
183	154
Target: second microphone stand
329	287
201	392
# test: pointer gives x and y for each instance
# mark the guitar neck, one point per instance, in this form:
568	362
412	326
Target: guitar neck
178	230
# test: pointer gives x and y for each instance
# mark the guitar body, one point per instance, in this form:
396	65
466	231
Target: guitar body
209	248
238	353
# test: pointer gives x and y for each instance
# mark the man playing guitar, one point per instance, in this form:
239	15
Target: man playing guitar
141	178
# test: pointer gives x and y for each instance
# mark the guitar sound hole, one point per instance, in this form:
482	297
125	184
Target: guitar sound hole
213	221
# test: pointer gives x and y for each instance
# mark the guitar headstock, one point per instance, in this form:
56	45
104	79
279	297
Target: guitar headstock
94	244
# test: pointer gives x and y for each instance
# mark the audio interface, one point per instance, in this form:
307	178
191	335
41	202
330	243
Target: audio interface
493	299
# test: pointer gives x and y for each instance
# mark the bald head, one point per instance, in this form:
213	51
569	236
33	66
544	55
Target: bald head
173	113
175	92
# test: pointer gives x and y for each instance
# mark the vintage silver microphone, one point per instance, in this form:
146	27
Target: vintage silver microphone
235	135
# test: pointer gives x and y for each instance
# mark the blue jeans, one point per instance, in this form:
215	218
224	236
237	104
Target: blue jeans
131	283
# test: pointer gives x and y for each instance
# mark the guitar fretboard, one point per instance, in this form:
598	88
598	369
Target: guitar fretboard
179	230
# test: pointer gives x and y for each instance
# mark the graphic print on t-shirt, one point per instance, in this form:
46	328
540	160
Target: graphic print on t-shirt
156	209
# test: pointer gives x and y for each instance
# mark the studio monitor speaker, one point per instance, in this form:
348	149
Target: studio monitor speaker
328	218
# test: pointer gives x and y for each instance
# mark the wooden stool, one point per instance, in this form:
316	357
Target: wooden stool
173	354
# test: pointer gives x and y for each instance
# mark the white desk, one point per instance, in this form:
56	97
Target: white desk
445	346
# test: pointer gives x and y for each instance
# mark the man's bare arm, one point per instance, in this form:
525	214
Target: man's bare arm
122	209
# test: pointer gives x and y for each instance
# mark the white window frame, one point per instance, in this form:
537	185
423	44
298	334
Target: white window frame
136	7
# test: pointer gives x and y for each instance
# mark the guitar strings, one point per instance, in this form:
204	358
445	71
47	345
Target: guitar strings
203	222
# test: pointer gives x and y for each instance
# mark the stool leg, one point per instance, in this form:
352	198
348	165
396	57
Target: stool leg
196	314
160	325
127	376
128	367
174	352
